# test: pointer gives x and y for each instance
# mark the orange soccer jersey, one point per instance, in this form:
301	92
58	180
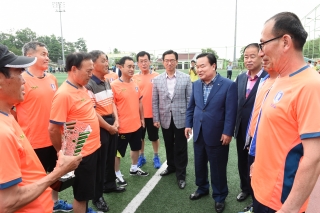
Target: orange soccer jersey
34	112
71	103
111	76
289	114
126	98
145	83
257	104
19	164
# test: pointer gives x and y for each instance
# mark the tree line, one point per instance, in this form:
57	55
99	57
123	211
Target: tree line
15	41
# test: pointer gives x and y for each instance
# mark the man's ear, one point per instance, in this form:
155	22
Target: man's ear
287	42
73	69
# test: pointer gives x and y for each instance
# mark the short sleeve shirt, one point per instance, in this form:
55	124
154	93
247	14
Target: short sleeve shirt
290	114
71	103
19	164
126	98
145	83
102	95
34	112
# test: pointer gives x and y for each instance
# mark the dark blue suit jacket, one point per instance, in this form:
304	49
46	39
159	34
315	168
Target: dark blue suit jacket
218	115
245	105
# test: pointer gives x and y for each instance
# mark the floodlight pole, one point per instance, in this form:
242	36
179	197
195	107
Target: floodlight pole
235	36
60	8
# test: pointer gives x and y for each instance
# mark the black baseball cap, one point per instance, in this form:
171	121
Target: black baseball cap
9	59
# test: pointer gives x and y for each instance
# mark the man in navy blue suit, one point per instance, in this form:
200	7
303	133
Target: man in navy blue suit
212	114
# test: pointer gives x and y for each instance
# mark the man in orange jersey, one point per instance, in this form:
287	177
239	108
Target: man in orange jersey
72	102
265	84
144	79
23	181
127	97
103	99
287	162
34	112
111	76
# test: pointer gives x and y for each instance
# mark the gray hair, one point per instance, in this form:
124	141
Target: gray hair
95	54
31	46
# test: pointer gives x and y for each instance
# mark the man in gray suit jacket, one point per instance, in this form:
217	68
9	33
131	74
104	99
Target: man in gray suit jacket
170	97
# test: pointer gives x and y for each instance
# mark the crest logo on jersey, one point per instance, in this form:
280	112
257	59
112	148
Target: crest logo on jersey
277	98
53	86
136	89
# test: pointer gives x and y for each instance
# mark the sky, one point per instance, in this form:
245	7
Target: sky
151	25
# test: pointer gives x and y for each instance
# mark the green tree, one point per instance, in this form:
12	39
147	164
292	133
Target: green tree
16	40
133	56
116	51
241	59
311	48
81	45
209	50
8	40
24	36
53	45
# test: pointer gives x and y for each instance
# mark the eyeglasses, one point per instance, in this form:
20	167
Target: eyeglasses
263	43
171	61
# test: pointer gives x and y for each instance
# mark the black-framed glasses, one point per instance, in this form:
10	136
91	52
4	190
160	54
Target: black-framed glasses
263	43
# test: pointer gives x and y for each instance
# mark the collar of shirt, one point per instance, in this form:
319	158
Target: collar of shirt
212	81
174	75
256	76
150	72
96	79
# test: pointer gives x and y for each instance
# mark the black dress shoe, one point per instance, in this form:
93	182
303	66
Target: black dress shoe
118	189
219	207
242	196
196	195
101	204
181	184
166	172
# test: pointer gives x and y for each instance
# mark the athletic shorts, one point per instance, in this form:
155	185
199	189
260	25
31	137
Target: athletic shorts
132	138
87	175
48	157
153	132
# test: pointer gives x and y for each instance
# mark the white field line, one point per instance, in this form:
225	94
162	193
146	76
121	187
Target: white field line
145	191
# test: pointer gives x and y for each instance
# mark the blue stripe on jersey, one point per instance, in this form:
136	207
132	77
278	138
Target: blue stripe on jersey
290	170
300	70
56	122
310	135
10	183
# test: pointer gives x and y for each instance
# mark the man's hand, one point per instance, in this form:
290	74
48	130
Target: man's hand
225	139
251	170
112	130
116	124
142	123
156	124
187	132
67	163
